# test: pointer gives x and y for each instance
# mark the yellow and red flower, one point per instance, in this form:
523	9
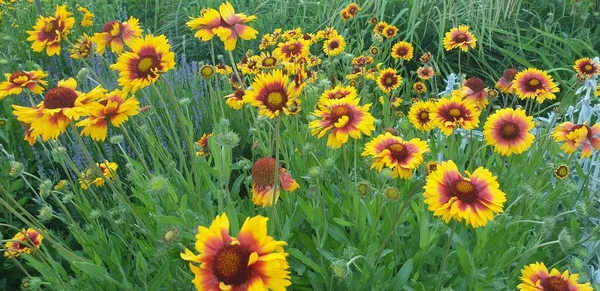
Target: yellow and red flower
391	151
82	48
23	242
203	145
535	84
115	107
60	106
339	92
459	37
425	73
345	118
49	31
587	67
292	50
225	24
380	27
508	131
420	115
17	81
473	89
349	11
92	177
362	61
390	31
272	93
420	87
575	136
387	80
535	277
451	113
235	100
148	59
505	84
403	50
426	58
117	34
263	179
561	172
252	261
334	45
431	167
266	61
475	198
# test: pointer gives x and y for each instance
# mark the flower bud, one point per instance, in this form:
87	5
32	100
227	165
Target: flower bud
16	169
116	139
340	270
45	213
581	209
82	74
158	184
363	188
392	194
565	240
95	214
170	235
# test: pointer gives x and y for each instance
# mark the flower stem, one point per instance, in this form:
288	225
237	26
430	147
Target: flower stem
440	277
237	74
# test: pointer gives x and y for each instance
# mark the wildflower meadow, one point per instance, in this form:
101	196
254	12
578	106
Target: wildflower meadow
300	145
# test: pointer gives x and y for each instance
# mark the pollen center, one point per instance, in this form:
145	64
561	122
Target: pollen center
424	116
389	81
555	283
275	100
534	82
60	97
588	68
50	27
263	172
269	62
147	65
338	95
230	265
398	151
454	112
206	71
509	130
338	112
401	51
461	37
291	47
464	191
562	171
334	44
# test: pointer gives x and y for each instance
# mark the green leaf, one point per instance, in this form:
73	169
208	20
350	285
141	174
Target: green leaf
306	260
342	222
168	219
424	230
92	270
464	258
402	276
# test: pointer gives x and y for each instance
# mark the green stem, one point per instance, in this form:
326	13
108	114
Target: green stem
440	277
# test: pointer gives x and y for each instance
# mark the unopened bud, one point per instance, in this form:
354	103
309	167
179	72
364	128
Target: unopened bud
16	169
116	139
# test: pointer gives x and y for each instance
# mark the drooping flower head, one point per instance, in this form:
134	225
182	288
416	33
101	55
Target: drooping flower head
451	113
202	145
473	89
391	151
345	118
535	277
475	198
508	131
387	80
587	67
535	84
82	48
334	45
272	93
223	69
362	61
426	58
339	92
420	115
116	107
225	23
252	261
263	179
575	136
49	31
425	73
17	81
148	59
91	176
60	106
505	84
403	51
116	34
25	241
235	100
459	37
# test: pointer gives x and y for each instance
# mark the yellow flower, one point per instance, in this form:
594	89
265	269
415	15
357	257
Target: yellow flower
23	242
17	81
148	59
49	31
116	34
452	113
475	198
271	93
387	80
459	37
508	131
82	48
115	107
575	136
236	99
535	277
403	50
263	180
252	261
91	177
225	24
391	151
535	84
420	115
334	46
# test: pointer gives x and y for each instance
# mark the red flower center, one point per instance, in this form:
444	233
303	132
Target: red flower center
555	283
263	172
276	99
60	97
339	112
401	51
534	84
475	84
509	130
334	44
230	265
461	37
17	75
147	65
108	26
398	151
50	29
454	112
464	191
389	80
